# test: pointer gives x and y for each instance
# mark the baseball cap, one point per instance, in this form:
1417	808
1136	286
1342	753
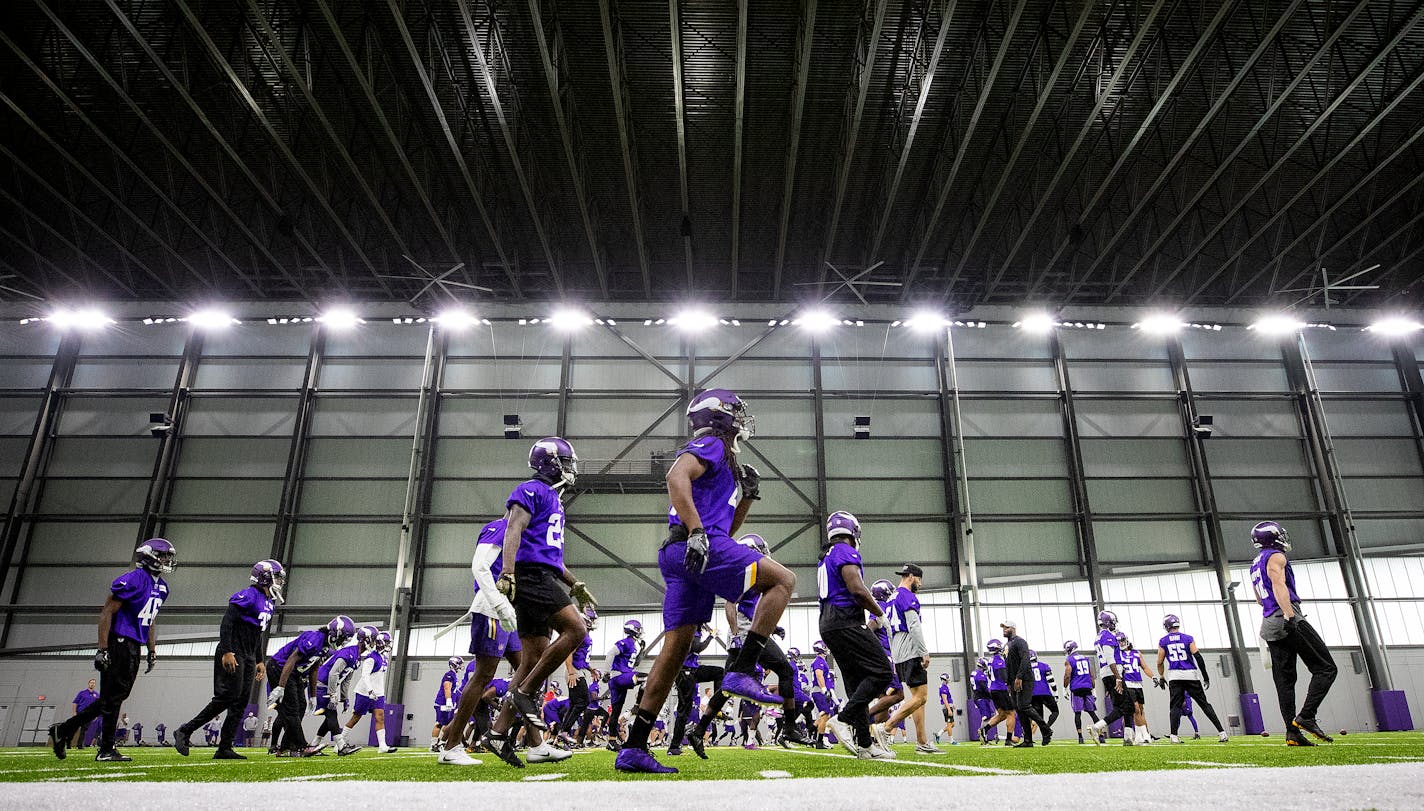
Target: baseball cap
1009	624
911	569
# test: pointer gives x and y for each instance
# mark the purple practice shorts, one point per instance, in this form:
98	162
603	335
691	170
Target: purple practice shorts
488	639
619	684
731	570
363	705
824	705
322	699
1084	700
443	717
895	684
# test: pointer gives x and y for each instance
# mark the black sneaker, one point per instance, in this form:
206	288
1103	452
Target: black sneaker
1310	725
612	745
1027	743
228	754
503	748
527	709
113	756
793	735
181	743
698	746
1294	738
57	742
674	750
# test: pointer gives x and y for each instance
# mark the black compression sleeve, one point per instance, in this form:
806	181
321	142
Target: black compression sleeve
1201	663
230	619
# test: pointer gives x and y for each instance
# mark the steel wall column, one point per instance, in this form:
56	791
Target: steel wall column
1407	365
419	528
1320	449
561	419
1078	486
287	504
960	560
1210	522
36	457
821	498
160	484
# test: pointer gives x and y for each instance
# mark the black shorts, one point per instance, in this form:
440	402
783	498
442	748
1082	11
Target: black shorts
946	713
1001	699
539	593
1136	694
912	673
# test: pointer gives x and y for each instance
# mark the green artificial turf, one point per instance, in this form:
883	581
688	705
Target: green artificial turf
38	764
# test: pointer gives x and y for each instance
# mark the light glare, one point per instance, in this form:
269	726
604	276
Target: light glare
1160	324
212	319
1038	323
816	321
568	320
456	319
1277	325
1396	325
340	319
694	321
926	322
83	319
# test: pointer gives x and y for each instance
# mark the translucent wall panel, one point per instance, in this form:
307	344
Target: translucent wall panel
237	374
888	418
1136	458
1251	418
369	417
1128	418
1004	376
623	417
1141	601
1025	542
1147	541
1023	496
484	417
1242	376
1011	418
878	375
1094	377
240	416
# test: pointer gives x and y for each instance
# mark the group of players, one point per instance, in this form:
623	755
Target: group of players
529	610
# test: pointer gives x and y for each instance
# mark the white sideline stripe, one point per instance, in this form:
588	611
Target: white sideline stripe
109	776
306	777
97	768
1395	757
774	774
1214	764
954	766
544	778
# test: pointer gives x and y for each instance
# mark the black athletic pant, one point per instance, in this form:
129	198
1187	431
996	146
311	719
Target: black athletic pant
291	711
330	721
115	684
772	659
1122	708
1023	704
1178	690
1047	706
865	673
230	692
687	682
578	702
1306	644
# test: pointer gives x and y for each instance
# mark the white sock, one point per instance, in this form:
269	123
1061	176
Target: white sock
339	739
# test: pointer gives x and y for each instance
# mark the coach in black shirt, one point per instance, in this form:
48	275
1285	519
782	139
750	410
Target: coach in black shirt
1020	678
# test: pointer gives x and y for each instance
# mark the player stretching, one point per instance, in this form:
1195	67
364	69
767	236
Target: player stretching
1186	675
125	625
864	666
301	657
710	494
543	592
1288	635
983	701
370	689
622	676
946	708
823	690
911	656
333	686
1078	680
693	674
579	674
239	659
1110	663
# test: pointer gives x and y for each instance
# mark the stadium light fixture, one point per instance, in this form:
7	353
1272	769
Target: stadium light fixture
211	319
86	319
568	320
926	322
456	318
340	318
1394	326
1160	324
816	321
695	321
1277	324
1039	323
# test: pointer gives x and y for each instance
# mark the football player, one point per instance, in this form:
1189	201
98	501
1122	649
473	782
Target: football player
301	657
333	686
946	708
844	602
493	639
710	494
884	591
445	700
1132	670
1185	676
823	690
126	624
239	660
1110	669
580	675
998	693
693	674
805	710
911	656
983	701
1044	687
370	690
543	591
623	676
1078	679
1288	636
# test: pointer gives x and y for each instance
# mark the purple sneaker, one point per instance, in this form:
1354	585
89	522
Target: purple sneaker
745	685
640	761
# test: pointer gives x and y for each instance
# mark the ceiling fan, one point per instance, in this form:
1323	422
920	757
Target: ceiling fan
852	283
432	280
1326	287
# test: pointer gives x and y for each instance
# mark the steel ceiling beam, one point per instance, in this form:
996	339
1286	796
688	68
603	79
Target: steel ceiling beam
216	56
1406	230
509	144
1301	142
1025	135
68	243
922	98
619	89
680	118
222	142
551	77
804	42
1066	160
1279	101
455	152
739	107
1402	261
860	87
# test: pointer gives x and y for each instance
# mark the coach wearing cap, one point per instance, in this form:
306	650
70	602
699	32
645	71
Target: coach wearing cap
911	655
1020	678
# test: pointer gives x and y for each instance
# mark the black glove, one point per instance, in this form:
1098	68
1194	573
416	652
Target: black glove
505	585
698	547
751	483
1292	623
101	661
1206	683
152	657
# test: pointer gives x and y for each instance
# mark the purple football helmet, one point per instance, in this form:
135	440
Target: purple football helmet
1032	655
794	654
340	629
1270	535
994	646
944	677
820	648
721	411
156	556
384	641
1070	646
881	590
756	542
590	619
843	523
456	662
1171	621
981	663
1122	640
633	628
269	575
557	688
1107	620
553	460
368	637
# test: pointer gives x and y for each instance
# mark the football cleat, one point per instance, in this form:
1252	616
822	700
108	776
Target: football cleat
348	749
313	751
1174	739
503	748
228	754
386	750
1309	725
456	757
794	735
640	761
1222	738
877	752
844	735
527	709
674	750
745	685
698	748
181	743
1294	738
877	731
1026	743
545	753
57	742
115	756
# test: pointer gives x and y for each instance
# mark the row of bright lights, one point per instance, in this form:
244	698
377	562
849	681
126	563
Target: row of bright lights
341	318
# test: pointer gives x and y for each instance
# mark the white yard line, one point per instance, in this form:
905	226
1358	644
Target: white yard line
544	778
87	777
304	778
954	766
1210	763
774	774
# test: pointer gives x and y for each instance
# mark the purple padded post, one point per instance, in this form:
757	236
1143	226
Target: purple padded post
1392	711
1251	722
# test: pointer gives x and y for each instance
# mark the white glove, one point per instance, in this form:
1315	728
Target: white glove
275	697
504	613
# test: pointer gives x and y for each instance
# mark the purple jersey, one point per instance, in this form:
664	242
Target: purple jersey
903	602
1131	667
1108	654
500	687
693	658
998	673
253	606
746	607
827	675
626	649
1179	651
452	679
1262	583
309	646
492	534
350	654
945	697
1042	672
84	698
470	668
1081	672
839	608
715	492
581	653
543	540
980	679
141	595
882	631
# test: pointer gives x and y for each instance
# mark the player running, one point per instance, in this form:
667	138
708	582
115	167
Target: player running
911	656
711	494
301	657
1110	669
998	694
623	676
946	708
823	690
1186	677
1078	681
